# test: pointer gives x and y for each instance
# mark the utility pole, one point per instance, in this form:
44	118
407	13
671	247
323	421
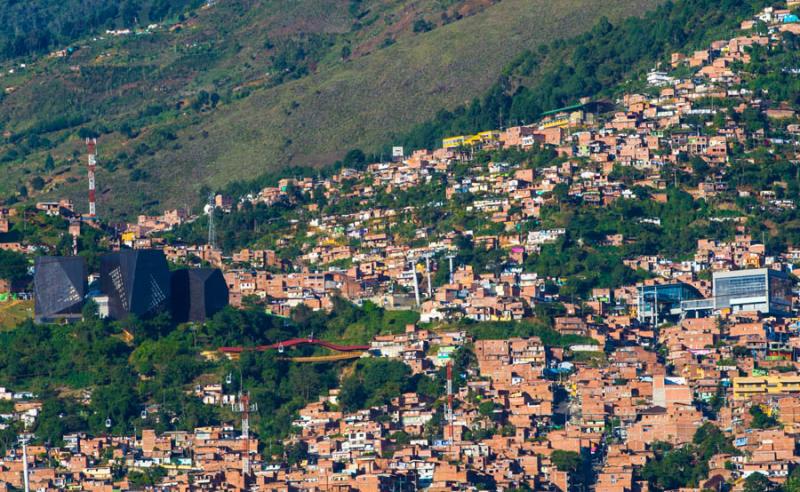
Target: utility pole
655	313
428	271
450	258
416	281
25	464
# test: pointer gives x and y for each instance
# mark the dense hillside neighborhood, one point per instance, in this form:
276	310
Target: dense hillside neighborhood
604	299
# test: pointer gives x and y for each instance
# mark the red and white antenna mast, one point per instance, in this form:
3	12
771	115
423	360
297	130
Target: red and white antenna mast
245	407
246	433
450	401
91	147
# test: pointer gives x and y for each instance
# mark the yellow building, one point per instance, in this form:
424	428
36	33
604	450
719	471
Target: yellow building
489	136
128	237
745	387
453	142
560	121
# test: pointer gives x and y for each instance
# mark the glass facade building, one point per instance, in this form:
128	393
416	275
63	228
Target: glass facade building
59	288
662	302
764	290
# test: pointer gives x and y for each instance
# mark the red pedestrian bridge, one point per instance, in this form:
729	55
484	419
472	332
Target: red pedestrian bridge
280	346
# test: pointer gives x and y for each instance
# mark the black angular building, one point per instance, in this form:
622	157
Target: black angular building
135	281
197	294
59	288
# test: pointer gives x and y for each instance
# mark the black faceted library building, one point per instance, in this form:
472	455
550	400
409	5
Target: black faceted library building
131	282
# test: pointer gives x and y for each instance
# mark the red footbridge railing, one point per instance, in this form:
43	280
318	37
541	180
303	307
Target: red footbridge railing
293	342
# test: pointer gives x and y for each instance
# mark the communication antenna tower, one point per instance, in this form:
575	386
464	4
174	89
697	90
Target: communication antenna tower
91	148
212	232
245	407
450	401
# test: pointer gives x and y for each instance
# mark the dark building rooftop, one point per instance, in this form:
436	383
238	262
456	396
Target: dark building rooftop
198	294
135	281
59	287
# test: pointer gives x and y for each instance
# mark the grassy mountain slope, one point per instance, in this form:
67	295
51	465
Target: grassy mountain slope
364	103
273	110
136	89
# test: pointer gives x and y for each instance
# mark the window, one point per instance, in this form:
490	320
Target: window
728	288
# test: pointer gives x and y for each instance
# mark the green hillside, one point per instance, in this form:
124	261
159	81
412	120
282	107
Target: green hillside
364	103
245	87
35	26
592	64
